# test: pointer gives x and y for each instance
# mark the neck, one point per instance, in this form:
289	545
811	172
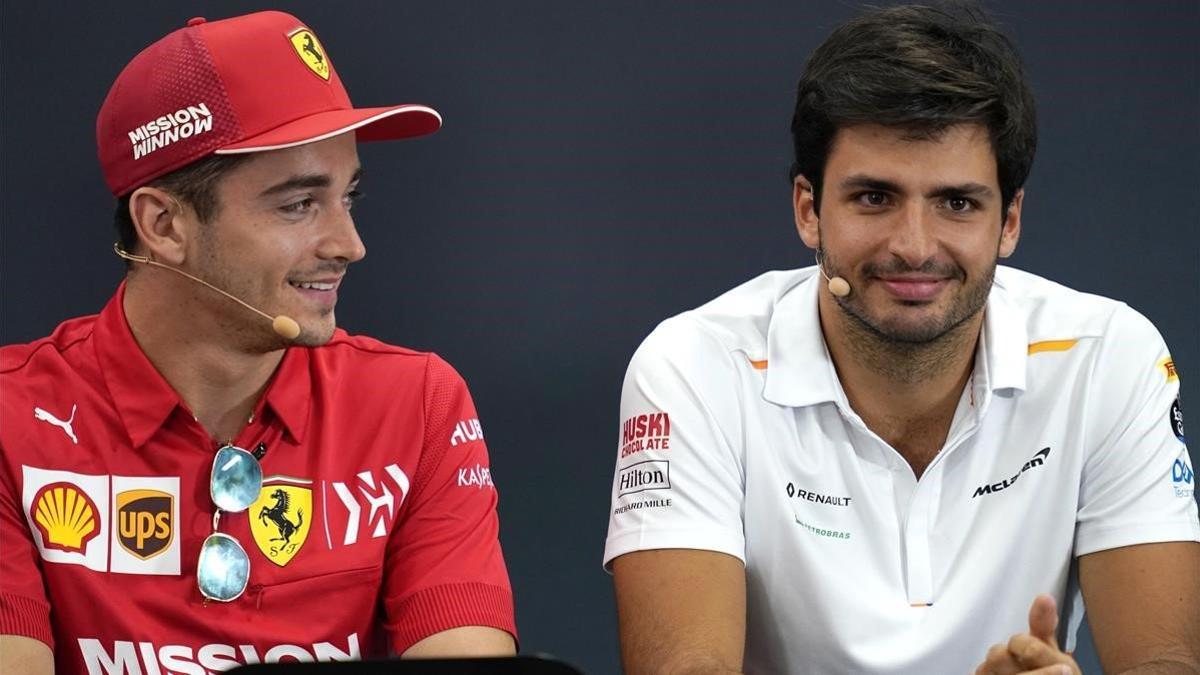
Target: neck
219	380
906	393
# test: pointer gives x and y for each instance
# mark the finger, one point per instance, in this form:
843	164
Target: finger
1043	619
1032	652
999	662
1060	669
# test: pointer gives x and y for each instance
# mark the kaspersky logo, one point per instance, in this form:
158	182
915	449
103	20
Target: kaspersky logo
66	517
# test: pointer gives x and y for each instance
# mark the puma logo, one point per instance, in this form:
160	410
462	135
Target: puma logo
51	419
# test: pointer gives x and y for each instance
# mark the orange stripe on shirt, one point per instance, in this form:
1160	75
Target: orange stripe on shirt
1051	346
758	365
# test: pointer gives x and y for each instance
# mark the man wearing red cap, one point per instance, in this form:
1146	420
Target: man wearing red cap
209	473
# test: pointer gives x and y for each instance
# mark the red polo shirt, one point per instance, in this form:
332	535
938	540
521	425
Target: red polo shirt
376	525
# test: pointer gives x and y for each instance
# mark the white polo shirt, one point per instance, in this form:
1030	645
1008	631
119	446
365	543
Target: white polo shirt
737	437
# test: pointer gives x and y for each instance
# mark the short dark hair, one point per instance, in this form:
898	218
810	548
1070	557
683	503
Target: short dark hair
194	185
921	69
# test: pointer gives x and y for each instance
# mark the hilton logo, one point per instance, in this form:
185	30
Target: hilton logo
650	475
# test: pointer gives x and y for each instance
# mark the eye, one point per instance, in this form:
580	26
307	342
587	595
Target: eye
961	204
298	206
872	198
352	198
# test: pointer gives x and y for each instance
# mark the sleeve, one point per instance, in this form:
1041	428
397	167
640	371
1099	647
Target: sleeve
444	565
1138	483
679	476
24	608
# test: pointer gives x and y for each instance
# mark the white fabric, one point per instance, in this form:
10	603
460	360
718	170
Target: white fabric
853	565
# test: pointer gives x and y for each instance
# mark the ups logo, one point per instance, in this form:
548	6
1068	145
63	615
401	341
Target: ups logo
144	525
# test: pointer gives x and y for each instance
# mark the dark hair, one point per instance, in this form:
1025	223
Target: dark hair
922	69
194	185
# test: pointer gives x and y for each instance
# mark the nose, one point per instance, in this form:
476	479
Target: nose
913	238
341	240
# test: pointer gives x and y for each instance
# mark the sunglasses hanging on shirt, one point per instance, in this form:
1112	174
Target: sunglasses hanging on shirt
236	481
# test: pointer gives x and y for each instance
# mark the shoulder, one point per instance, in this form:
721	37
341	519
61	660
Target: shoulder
367	362
17	360
736	321
1054	312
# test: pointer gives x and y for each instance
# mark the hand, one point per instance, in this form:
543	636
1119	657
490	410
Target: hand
1035	652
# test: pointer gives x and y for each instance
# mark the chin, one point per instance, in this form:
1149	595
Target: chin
315	333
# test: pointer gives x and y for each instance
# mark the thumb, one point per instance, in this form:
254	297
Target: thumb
1043	619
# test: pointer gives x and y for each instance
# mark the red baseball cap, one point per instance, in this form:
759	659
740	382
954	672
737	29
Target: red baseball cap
250	83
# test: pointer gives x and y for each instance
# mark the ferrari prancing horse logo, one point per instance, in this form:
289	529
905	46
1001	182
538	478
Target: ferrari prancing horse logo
311	52
281	518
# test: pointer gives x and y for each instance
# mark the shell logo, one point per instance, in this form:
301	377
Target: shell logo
66	516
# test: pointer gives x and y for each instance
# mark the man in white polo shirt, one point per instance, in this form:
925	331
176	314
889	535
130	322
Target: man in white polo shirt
893	461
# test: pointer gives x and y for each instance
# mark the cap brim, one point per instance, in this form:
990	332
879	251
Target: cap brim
372	124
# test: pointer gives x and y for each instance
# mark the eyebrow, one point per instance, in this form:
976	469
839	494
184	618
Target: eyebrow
309	180
865	182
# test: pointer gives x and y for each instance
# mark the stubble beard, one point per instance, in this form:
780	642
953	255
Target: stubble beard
916	352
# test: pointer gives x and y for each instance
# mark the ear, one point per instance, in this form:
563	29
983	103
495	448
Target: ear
805	212
1010	231
159	220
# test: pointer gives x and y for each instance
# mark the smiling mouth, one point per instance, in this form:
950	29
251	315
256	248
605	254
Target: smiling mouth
314	285
914	289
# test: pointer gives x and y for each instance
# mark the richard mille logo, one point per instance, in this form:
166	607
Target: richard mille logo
1038	459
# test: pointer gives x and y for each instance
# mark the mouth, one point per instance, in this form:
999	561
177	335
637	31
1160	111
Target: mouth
915	288
322	292
315	285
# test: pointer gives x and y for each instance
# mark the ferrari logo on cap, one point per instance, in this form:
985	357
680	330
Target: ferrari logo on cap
281	518
311	52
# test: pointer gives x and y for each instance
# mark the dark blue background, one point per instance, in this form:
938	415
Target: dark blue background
603	166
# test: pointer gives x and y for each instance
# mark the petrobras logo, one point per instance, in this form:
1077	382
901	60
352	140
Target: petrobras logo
121	524
650	431
648	475
123	657
158	133
467	431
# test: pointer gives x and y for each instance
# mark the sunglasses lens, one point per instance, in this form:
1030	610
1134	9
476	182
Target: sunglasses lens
223	569
236	479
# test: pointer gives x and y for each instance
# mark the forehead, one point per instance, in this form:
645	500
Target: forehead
335	158
959	153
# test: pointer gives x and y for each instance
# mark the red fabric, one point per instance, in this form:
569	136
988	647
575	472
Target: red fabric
399	530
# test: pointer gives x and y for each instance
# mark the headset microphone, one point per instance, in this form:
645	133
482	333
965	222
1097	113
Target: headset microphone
837	285
283	325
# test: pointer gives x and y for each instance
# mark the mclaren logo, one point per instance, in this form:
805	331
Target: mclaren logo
144	526
1038	459
311	52
281	518
67	518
